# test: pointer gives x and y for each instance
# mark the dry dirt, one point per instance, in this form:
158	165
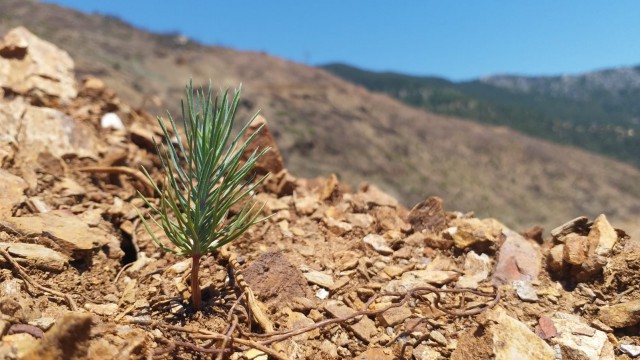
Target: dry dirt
356	273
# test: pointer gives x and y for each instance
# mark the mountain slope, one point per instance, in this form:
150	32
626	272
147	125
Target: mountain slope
324	124
597	111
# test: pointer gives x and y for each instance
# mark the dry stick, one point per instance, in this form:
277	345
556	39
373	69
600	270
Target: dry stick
228	337
283	335
134	235
150	189
233	322
122	270
170	348
211	335
230	314
33	283
200	349
254	309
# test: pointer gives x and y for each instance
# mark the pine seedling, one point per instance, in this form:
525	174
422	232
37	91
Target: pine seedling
203	181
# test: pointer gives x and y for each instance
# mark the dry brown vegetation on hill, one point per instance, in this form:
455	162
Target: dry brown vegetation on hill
325	125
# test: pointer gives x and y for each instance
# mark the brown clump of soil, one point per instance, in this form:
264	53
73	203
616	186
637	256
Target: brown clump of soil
275	280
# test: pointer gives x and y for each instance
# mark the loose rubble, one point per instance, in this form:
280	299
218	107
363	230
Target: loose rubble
68	216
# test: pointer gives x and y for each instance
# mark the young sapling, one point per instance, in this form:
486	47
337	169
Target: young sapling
204	180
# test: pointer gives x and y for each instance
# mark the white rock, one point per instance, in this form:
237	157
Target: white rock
322	294
378	243
476	269
319	278
111	120
44	323
525	290
578	338
631	350
11	288
179	267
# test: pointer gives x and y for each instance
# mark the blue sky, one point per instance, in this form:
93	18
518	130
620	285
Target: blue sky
454	39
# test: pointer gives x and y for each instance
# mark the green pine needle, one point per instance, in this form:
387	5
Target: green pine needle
205	179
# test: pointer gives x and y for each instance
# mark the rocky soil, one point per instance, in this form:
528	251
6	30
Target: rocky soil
335	273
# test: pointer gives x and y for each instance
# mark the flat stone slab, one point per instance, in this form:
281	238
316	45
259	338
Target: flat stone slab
35	255
75	238
418	278
319	278
363	329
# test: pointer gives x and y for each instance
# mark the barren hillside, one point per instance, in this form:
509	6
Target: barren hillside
323	125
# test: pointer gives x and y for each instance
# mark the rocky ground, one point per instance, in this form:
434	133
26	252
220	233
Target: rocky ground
336	273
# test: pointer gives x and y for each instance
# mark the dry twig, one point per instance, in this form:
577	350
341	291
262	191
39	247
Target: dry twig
149	188
204	334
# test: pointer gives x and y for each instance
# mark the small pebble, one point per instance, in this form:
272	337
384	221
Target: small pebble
322	294
525	291
631	350
44	323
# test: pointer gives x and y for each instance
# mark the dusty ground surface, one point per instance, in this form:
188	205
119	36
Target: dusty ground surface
336	273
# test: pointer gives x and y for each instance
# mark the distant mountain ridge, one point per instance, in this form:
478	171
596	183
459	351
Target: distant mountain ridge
579	87
598	111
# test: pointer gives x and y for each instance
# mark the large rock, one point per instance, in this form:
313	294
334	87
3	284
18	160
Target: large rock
579	341
35	255
475	233
621	315
75	238
34	67
602	236
519	259
10	118
476	269
502	338
272	161
49	130
428	215
27	132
